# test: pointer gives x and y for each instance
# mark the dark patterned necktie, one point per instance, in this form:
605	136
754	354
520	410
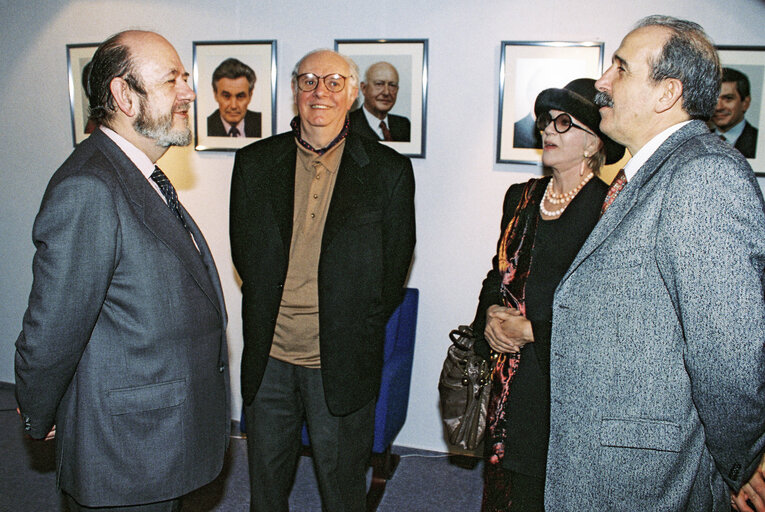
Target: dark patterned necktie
385	131
613	191
234	132
168	191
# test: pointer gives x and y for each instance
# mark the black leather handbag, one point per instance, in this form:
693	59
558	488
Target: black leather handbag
464	388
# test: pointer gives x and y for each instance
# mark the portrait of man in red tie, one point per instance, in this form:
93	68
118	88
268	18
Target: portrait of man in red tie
380	89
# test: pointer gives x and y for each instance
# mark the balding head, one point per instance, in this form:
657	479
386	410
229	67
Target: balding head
138	88
380	88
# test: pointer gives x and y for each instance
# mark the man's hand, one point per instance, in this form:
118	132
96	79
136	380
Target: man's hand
49	436
752	493
506	329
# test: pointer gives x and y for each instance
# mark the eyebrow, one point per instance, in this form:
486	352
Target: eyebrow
174	73
622	62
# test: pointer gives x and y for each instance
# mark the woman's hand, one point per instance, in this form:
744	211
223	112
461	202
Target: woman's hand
753	490
507	330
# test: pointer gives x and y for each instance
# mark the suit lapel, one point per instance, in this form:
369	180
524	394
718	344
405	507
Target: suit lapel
360	125
280	185
349	188
630	195
158	218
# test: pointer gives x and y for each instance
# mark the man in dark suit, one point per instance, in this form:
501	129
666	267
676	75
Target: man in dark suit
123	344
656	359
233	82
732	105
373	119
322	234
526	134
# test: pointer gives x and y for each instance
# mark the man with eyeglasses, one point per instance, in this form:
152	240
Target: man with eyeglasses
373	119
322	235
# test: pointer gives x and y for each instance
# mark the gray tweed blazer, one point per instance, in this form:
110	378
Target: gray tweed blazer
657	364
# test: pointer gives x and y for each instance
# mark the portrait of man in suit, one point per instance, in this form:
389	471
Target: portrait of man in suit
373	119
732	104
233	82
123	345
322	235
656	358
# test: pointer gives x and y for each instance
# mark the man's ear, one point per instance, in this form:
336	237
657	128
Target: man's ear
671	91
125	98
745	103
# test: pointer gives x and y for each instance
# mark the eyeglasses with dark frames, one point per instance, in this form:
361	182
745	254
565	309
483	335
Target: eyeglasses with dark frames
308	82
562	123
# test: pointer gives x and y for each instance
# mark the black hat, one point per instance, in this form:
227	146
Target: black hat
578	99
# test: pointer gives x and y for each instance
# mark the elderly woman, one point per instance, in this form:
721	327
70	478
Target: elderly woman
544	223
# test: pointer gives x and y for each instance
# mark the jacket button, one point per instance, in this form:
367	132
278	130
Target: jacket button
734	471
221	368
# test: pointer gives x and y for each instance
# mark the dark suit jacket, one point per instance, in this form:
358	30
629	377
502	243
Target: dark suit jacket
251	125
526	134
123	345
366	250
747	141
400	127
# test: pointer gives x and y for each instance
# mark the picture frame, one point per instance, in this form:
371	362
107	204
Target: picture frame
407	115
525	69
256	116
78	56
749	60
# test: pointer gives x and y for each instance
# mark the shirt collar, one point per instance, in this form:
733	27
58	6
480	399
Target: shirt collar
374	121
227	126
732	135
295	124
138	157
644	153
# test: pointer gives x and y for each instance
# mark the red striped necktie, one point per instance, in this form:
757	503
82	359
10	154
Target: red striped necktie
618	184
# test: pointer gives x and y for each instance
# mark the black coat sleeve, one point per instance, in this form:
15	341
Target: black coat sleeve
490	294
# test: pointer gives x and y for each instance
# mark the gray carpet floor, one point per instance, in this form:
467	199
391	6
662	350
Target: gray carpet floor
424	481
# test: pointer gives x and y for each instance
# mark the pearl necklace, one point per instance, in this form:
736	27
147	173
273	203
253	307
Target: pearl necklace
564	198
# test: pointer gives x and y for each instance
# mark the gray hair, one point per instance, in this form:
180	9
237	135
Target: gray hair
232	69
354	69
689	56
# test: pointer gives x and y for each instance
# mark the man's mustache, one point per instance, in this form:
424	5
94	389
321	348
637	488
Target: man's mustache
603	99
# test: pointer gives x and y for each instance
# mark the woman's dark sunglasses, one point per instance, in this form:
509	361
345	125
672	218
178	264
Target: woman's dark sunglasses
562	123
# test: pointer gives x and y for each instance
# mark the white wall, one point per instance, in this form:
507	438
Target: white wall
459	186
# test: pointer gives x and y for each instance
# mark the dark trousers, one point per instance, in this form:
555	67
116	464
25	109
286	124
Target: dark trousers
508	491
341	445
162	506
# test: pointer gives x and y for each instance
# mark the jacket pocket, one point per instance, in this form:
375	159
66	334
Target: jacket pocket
640	433
146	398
620	258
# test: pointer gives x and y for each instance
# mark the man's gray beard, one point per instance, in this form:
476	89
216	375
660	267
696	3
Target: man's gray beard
160	129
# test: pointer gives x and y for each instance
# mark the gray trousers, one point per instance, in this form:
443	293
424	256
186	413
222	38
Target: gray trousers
341	445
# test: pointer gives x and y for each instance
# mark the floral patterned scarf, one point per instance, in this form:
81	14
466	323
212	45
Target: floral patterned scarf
514	264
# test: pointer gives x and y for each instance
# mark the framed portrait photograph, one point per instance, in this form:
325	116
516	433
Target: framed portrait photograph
235	83
392	102
740	108
78	58
526	68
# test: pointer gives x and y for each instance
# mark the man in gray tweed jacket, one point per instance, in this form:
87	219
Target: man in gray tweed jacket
657	364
